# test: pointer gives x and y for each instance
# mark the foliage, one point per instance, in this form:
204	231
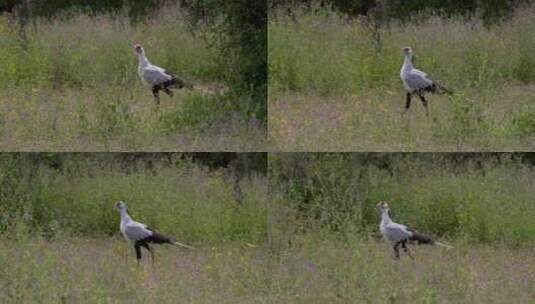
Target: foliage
490	12
523	122
483	197
241	29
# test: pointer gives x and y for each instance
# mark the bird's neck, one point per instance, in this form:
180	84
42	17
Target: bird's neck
385	217
407	65
143	61
124	216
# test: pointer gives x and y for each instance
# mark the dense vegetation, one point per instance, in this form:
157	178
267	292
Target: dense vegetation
385	11
476	198
62	195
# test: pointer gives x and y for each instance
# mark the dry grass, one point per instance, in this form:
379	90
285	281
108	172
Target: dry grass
365	272
373	121
117	119
104	270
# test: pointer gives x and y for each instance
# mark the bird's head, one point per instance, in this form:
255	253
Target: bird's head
407	50
138	48
382	206
120	205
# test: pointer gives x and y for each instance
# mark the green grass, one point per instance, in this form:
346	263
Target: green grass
483	201
178	198
118	119
72	85
331	89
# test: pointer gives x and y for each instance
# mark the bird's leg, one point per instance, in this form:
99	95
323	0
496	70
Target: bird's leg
138	253
424	102
155	90
167	91
151	252
406	249
396	250
408	103
125	254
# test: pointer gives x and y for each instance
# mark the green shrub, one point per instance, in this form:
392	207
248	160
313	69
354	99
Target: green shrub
523	122
195	112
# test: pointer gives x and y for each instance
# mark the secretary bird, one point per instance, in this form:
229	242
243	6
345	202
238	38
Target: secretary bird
399	234
141	235
156	77
417	82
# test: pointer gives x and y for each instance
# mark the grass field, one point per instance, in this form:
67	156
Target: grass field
364	272
118	119
60	239
332	88
71	84
324	226
104	270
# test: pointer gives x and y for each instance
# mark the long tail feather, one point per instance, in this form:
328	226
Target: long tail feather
182	245
444	245
421	238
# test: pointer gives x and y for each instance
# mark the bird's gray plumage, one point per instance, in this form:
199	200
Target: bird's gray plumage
399	234
417	82
132	231
156	77
140	235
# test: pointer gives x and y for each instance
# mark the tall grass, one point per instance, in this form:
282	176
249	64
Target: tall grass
72	84
76	50
325	53
332	88
486	203
183	199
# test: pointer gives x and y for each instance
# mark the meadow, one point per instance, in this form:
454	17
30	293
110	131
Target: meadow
324	227
60	239
100	270
319	270
333	86
311	239
70	83
104	271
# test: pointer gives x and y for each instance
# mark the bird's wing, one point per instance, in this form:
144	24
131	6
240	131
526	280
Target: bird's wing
136	231
397	232
169	73
155	75
418	80
418	72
